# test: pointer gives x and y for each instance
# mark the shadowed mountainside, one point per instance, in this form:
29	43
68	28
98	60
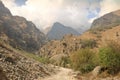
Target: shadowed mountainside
19	32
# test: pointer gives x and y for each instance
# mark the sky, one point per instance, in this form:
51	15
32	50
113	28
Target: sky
74	13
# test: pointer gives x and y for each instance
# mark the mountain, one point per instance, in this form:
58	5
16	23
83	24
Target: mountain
46	30
57	49
58	31
19	32
82	29
107	21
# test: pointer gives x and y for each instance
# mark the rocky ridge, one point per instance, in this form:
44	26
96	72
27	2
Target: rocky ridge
107	21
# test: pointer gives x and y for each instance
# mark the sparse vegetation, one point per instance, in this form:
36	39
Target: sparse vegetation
97	30
88	43
110	57
44	60
65	61
83	60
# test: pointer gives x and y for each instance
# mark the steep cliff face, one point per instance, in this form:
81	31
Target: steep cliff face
58	31
20	33
107	21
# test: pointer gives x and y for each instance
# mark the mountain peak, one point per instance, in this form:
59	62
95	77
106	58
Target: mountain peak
58	31
3	10
117	12
57	24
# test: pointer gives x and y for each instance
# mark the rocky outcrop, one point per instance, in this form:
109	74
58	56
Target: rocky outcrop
107	21
97	71
65	46
21	34
58	31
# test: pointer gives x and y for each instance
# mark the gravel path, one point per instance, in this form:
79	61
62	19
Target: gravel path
62	74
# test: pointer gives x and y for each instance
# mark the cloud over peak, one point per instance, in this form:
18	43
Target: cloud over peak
68	12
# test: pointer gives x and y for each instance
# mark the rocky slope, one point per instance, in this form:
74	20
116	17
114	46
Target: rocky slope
68	44
19	32
107	21
17	66
58	31
2	75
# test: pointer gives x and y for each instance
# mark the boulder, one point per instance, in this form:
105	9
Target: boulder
96	70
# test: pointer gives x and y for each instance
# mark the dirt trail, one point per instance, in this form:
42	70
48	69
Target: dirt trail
62	74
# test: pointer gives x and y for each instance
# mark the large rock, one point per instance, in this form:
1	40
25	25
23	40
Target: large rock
21	33
96	70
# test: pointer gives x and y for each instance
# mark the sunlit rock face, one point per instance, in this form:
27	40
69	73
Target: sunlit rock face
107	21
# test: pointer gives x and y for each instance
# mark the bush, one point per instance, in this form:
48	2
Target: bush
109	57
65	61
83	60
44	60
88	43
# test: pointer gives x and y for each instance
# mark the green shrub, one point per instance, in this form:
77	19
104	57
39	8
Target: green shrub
65	61
44	60
83	60
109	57
88	43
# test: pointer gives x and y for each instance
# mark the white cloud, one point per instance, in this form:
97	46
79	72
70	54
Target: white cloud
69	12
106	6
45	12
92	19
109	6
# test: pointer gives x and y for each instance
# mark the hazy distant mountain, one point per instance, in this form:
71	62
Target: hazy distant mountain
107	21
82	29
46	30
19	32
58	30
